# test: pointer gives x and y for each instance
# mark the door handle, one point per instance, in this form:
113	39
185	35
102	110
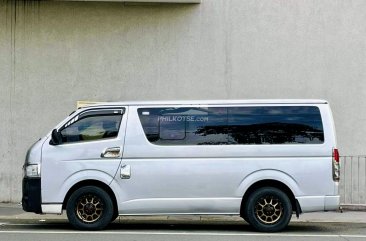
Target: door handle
125	172
111	152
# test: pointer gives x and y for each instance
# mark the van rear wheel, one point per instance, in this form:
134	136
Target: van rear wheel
89	208
268	209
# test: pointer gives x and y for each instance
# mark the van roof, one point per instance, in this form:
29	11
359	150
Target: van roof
210	102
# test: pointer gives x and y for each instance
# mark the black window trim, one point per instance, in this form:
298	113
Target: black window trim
86	113
97	112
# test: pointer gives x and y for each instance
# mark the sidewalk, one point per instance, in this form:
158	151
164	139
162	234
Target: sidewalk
9	212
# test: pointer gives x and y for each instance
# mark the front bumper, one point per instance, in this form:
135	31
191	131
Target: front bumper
31	200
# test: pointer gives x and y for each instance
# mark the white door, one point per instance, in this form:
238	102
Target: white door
91	149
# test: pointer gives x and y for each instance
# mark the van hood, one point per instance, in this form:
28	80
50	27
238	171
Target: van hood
34	153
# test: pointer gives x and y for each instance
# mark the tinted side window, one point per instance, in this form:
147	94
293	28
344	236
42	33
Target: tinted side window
185	126
207	127
91	128
232	125
275	125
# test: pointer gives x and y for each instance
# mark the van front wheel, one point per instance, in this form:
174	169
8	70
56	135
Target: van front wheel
268	209
89	208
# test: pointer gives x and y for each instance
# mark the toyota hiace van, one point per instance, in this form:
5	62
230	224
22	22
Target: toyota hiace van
261	159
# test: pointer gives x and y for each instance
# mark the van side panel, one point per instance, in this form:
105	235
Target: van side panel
208	179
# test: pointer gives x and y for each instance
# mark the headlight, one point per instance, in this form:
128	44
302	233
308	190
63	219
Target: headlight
32	170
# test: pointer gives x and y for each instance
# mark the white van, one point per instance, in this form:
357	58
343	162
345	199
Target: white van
261	159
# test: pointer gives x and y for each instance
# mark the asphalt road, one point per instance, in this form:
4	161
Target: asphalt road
144	231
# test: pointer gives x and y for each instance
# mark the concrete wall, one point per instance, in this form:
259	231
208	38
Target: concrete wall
55	53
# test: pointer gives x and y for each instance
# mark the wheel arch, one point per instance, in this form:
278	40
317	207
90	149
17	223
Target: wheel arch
270	183
96	183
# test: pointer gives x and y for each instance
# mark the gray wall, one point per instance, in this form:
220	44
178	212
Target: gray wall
55	53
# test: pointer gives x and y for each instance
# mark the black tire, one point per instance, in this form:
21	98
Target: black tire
89	208
268	209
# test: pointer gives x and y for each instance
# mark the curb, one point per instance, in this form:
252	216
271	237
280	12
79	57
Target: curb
346	217
347	214
353	207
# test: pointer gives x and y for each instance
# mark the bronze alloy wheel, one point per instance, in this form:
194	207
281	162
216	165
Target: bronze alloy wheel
268	210
89	208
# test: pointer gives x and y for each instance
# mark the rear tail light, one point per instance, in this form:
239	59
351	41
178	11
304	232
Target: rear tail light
336	168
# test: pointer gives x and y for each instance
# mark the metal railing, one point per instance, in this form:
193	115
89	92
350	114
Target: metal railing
352	186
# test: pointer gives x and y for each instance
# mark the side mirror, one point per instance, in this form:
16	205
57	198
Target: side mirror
56	138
